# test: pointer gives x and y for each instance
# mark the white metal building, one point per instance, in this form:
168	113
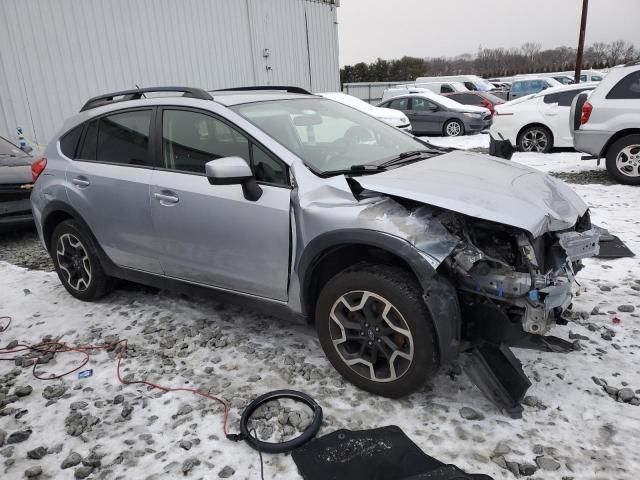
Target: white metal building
54	55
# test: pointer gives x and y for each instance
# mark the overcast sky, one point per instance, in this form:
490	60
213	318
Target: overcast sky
389	29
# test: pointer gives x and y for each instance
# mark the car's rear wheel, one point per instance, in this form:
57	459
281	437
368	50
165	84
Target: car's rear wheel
453	128
376	331
623	160
76	261
535	139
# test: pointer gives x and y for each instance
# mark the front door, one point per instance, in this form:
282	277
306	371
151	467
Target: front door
212	234
425	114
109	187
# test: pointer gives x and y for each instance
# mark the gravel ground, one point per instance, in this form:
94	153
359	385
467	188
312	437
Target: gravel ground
23	248
586	177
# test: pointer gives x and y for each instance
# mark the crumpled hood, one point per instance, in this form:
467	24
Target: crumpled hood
484	187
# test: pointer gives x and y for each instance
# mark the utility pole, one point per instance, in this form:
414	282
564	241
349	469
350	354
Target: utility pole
583	27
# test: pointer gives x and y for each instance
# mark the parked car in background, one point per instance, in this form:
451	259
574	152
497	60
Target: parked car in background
587	75
433	114
522	87
443	87
562	78
606	123
388	115
436	87
479	99
538	122
15	186
472	82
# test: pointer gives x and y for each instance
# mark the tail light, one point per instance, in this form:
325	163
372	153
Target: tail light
587	108
37	168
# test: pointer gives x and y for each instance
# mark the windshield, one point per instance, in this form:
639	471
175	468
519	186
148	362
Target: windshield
327	135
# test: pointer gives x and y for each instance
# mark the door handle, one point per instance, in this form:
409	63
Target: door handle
166	198
81	182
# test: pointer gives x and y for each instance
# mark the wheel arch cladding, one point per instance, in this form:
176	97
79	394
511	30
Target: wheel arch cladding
332	252
617	136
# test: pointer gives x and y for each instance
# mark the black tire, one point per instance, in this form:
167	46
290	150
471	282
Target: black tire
453	122
399	288
539	129
66	237
630	160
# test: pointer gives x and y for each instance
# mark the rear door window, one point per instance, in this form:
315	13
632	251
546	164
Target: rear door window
446	89
399	104
121	138
627	88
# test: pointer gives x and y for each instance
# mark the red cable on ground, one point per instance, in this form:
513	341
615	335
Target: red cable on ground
60	347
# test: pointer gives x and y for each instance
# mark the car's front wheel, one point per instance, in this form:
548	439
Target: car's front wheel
376	330
76	261
623	160
453	128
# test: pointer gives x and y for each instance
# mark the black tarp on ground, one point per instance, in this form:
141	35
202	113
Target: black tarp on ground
384	453
612	247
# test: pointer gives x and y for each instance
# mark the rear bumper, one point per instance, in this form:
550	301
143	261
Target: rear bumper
14	222
591	141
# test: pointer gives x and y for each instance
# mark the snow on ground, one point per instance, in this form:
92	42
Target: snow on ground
480	140
240	354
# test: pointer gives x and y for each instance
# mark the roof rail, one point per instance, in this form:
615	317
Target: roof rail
272	88
138	93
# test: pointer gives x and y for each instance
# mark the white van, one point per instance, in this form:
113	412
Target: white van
471	82
443	87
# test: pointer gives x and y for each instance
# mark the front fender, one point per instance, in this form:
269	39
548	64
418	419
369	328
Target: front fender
439	293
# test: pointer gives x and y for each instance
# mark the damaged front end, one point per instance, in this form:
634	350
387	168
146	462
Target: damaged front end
528	280
513	288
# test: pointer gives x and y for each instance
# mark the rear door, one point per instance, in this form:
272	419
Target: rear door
211	234
109	186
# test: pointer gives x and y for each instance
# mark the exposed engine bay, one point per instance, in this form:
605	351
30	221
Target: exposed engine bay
529	279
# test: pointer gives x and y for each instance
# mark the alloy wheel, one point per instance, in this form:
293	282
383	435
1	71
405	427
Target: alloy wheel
628	161
535	140
371	336
73	261
453	129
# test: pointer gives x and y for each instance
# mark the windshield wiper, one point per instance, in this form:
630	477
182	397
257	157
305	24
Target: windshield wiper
409	156
355	169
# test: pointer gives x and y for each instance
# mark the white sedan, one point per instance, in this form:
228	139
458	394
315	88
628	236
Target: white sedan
538	122
387	115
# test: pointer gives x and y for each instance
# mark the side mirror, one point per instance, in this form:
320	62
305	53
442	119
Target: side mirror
233	171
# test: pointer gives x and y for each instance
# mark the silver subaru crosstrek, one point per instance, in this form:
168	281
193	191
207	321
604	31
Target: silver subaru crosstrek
402	254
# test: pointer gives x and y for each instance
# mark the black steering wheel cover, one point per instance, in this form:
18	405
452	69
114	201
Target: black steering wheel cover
267	447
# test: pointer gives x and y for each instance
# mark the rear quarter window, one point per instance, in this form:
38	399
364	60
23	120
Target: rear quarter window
627	88
69	141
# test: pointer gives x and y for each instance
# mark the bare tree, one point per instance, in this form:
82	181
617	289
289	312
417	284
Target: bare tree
616	52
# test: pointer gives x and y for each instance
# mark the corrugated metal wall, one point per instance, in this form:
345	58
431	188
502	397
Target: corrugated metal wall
54	55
